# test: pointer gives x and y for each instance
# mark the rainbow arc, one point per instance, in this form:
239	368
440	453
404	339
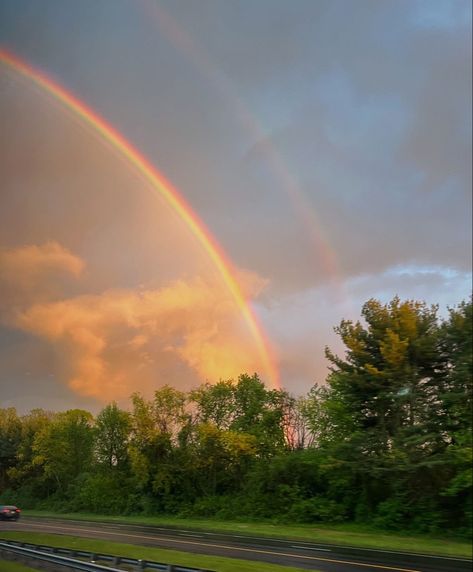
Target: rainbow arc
157	181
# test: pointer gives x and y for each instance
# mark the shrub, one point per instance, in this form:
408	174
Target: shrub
316	509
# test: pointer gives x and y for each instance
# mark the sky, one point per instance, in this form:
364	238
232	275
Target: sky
324	145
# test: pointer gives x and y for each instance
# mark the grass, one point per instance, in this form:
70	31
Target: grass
145	553
342	535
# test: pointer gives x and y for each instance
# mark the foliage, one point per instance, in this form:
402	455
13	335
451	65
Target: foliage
10	440
63	448
112	431
386	441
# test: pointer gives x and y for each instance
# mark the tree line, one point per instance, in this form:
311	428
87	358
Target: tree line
386	440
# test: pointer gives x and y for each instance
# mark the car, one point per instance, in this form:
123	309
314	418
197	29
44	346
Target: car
9	512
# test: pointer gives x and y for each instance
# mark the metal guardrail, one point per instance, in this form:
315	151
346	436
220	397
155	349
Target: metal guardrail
69	563
68	557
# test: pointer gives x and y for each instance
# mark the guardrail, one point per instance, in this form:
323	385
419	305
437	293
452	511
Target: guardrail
68	557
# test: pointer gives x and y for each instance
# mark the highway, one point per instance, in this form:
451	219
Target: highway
310	556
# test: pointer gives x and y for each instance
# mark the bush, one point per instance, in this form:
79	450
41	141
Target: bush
316	509
23	497
99	493
391	514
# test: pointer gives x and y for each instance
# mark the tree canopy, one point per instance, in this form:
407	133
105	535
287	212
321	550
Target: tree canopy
386	439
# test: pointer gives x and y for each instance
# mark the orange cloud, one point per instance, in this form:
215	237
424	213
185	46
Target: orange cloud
25	264
120	341
32	273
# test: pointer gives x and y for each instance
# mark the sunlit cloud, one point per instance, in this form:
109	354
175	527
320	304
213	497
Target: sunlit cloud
119	341
35	273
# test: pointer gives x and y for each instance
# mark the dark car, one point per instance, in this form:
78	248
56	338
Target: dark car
8	512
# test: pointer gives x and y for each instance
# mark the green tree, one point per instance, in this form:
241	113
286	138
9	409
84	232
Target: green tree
455	416
169	410
219	458
245	406
26	474
385	380
215	403
156	426
456	390
112	434
394	399
10	441
64	447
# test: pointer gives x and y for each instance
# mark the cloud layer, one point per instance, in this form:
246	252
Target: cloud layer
325	144
111	344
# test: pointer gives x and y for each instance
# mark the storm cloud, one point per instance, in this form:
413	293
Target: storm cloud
325	144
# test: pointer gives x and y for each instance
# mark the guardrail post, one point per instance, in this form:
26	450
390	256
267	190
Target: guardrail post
170	568
141	564
117	560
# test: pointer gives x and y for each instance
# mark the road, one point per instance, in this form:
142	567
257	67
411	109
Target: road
310	556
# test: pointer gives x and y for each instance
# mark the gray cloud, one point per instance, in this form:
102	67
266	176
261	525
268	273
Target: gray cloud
322	142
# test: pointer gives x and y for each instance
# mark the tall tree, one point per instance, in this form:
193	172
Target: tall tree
215	403
396	391
386	377
64	447
457	388
455	421
25	470
245	406
112	434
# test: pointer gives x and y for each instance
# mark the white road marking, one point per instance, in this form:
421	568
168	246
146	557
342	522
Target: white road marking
275	540
234	548
311	548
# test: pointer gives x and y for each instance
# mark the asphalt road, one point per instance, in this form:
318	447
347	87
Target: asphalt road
323	557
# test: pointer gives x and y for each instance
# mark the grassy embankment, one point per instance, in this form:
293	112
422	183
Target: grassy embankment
145	553
8	566
342	535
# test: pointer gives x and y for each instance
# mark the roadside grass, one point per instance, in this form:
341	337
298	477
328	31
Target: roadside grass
9	566
342	535
164	555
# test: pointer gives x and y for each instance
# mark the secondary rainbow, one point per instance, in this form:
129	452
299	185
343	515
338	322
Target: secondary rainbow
186	45
159	183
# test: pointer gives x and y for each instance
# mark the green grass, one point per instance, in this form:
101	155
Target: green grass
8	566
342	535
157	554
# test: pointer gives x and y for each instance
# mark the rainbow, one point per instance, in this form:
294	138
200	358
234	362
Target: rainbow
159	184
185	44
